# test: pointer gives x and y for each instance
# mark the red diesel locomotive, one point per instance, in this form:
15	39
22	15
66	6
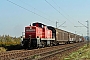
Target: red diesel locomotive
37	35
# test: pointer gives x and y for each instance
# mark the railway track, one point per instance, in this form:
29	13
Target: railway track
36	54
47	55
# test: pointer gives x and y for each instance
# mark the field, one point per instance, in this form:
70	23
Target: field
81	54
7	42
2	49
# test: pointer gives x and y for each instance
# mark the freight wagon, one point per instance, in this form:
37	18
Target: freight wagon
72	37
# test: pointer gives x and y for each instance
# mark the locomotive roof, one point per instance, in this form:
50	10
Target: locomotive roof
39	23
55	28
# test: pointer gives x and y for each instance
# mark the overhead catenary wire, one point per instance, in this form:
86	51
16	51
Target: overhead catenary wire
60	8
62	24
36	9
59	11
63	11
56	9
31	6
29	10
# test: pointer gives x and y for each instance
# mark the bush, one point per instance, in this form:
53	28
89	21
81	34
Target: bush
8	40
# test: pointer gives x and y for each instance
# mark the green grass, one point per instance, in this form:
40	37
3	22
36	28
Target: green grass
81	54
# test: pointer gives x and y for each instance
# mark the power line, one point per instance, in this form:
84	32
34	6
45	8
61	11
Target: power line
31	6
35	8
29	10
87	30
63	10
60	8
83	24
62	24
56	9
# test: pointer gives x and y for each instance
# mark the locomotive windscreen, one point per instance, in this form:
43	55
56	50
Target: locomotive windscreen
37	24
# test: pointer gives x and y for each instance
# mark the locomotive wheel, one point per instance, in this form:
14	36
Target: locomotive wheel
51	44
43	45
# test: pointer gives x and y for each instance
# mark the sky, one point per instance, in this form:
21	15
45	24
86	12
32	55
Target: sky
16	14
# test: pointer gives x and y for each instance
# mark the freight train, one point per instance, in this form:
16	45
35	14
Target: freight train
41	35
